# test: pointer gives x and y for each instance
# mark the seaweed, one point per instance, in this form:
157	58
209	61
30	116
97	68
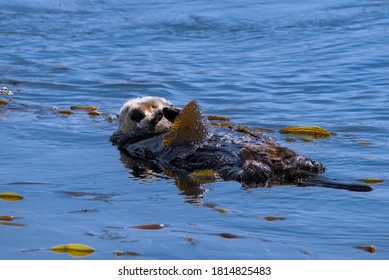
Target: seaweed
313	131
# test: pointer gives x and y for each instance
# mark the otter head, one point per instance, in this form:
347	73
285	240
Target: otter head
144	114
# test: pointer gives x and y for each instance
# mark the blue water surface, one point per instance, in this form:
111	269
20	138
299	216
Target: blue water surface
263	63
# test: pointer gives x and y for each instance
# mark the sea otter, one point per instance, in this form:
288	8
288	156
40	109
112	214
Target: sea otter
183	141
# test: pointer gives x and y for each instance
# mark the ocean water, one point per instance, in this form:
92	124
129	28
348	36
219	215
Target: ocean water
263	63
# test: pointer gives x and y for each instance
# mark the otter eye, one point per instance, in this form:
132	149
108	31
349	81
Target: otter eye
137	115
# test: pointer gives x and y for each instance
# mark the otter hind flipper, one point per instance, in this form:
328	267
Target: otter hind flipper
191	126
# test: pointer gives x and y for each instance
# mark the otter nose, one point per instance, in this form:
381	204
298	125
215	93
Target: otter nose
137	115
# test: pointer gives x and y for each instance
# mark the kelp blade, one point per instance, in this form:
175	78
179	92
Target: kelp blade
191	126
369	248
150	226
204	173
95	113
10	196
6	218
81	107
372	180
73	249
314	131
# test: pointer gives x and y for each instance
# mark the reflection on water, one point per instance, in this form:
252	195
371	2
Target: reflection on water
267	64
150	172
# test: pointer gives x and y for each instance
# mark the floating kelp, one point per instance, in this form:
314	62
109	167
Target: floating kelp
192	240
75	250
11	197
127	253
223	125
273	218
86	108
95	113
222	210
290	139
369	248
314	131
246	130
228	235
218	118
371	181
204	176
3	102
308	139
204	173
65	112
6	218
226	125
150	226
242	128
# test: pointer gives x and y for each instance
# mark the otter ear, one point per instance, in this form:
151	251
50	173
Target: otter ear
171	113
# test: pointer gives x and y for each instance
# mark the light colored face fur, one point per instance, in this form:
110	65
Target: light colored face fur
143	113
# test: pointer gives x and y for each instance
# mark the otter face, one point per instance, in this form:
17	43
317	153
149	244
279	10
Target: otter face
144	113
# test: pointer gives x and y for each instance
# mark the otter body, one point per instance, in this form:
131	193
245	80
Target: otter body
188	143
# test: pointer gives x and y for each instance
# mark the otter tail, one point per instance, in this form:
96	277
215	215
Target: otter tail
324	182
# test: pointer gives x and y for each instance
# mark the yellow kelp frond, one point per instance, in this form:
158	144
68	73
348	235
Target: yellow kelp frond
10	196
371	181
75	250
218	118
95	113
246	130
314	131
6	218
369	248
191	126
86	108
204	173
150	226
